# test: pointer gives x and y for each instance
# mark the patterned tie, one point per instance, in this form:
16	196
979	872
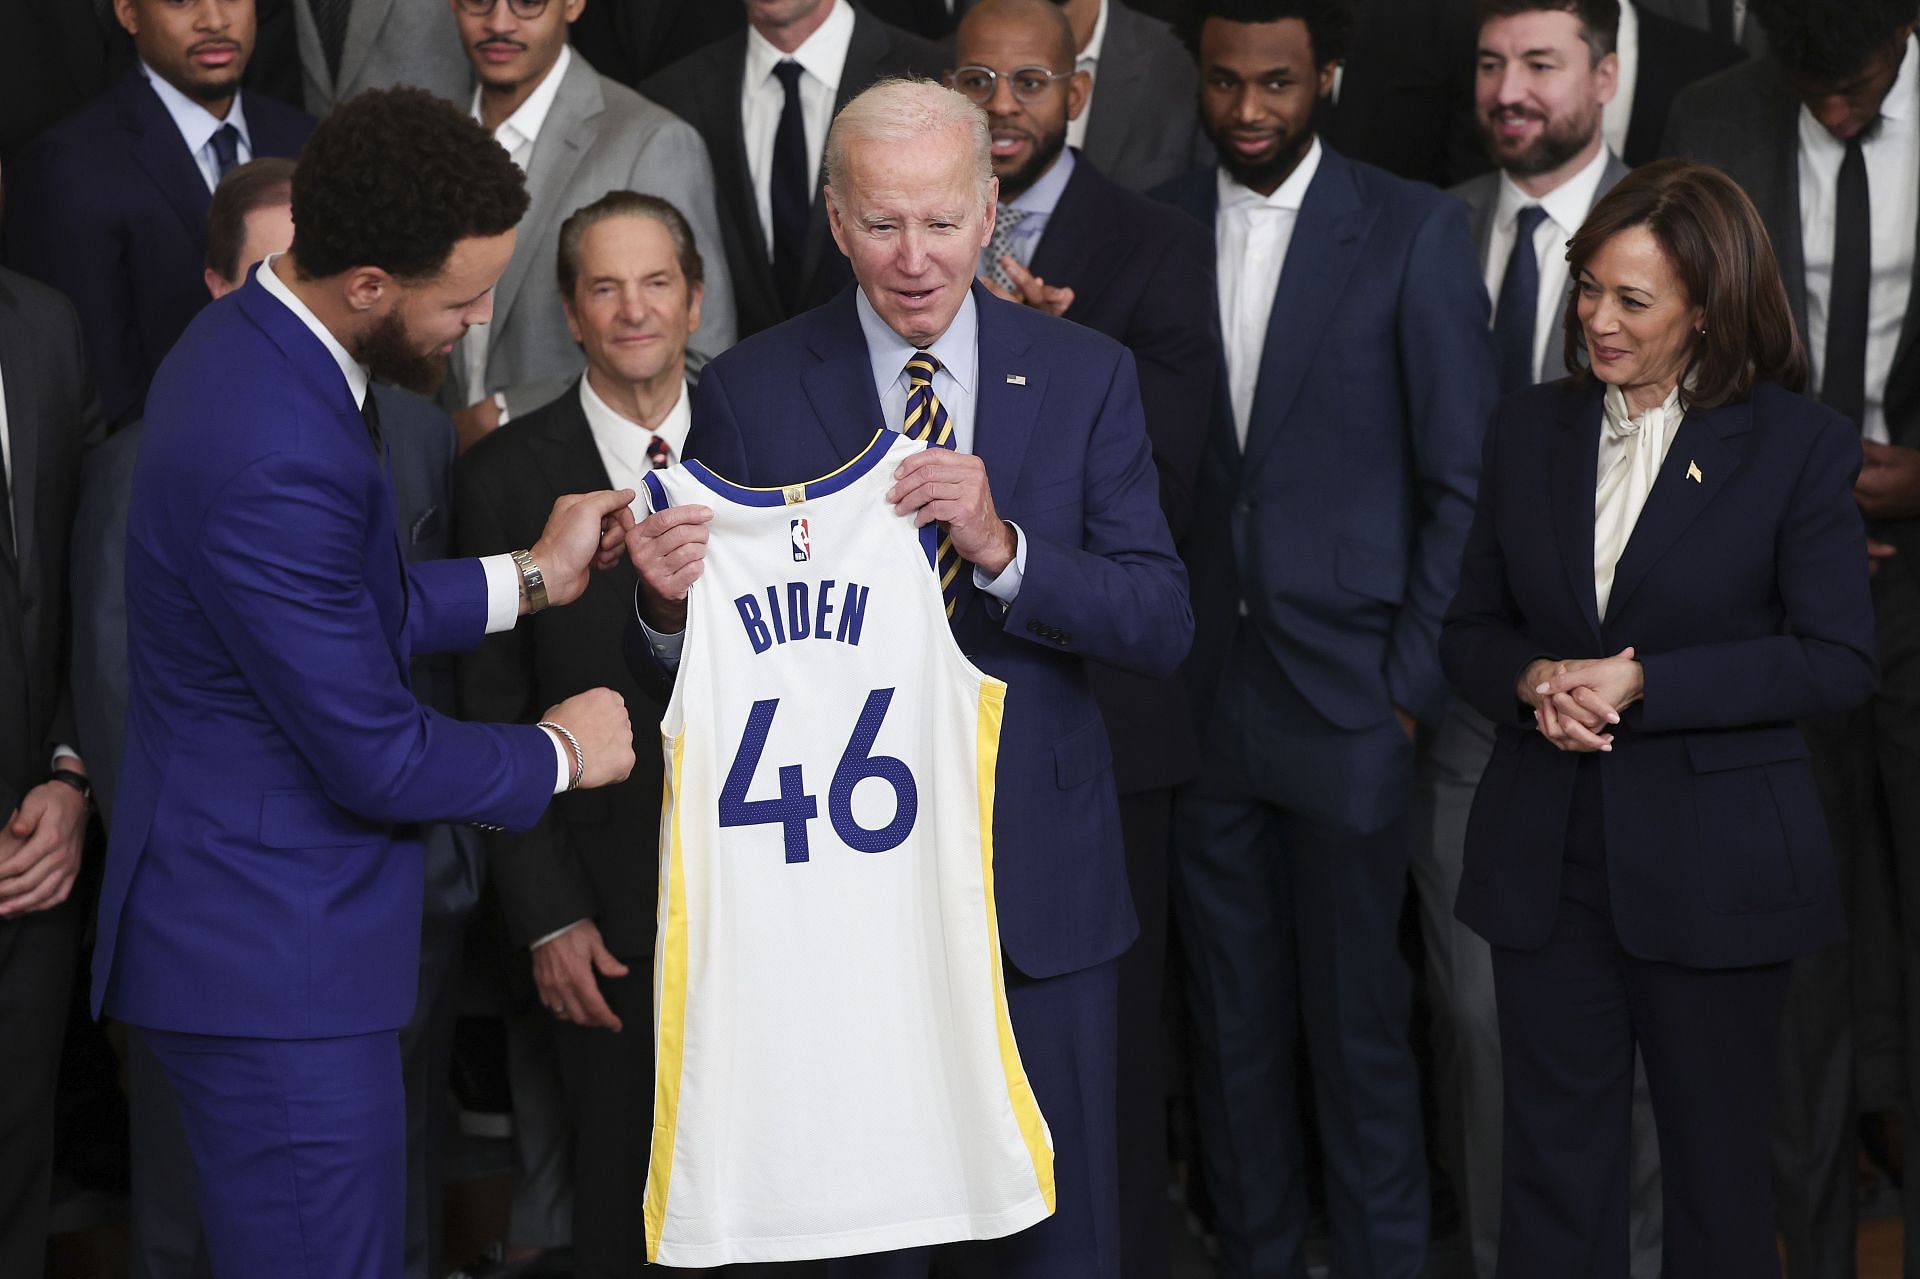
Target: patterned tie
927	420
659	456
1004	221
226	149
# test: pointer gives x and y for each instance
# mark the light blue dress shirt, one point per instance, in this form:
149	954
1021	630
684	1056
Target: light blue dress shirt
197	126
1036	203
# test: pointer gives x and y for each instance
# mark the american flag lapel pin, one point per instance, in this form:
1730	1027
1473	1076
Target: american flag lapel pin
1693	472
1016	379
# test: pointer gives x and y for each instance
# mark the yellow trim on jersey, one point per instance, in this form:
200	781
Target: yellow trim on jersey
789	489
1026	1110
672	1016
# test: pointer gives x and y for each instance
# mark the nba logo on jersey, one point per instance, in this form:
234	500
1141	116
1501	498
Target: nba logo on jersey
836	1073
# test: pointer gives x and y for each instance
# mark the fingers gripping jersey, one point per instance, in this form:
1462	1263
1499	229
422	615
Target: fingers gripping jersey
836	1073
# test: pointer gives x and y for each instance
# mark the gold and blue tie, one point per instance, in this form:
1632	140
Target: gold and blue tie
927	420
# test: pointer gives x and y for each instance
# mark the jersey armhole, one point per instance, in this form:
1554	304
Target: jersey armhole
657	499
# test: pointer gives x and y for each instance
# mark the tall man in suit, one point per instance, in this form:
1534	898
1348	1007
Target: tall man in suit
1403	96
349	46
763	98
1069	241
110	205
1824	134
259	920
1334	500
1048	495
46	411
252	217
578	889
577	135
1657	57
1139	125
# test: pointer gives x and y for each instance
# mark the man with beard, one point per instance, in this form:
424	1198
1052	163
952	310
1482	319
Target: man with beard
1333	505
110	205
1546	71
1069	241
260	916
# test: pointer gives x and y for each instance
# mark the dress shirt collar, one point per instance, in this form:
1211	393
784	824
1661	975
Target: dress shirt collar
350	368
958	349
197	125
1044	194
522	128
629	438
1088	58
1288	195
822	55
1567	204
1903	99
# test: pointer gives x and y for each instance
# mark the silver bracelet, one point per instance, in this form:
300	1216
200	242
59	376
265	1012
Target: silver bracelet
573	744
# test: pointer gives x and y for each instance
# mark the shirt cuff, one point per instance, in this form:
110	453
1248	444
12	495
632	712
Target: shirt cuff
62	751
665	647
503	592
500	402
563	758
558	932
1006	586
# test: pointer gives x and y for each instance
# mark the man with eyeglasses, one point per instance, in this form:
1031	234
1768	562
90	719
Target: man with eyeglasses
577	135
763	98
1070	241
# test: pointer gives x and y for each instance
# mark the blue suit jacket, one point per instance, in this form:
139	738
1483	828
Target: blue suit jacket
108	207
1744	594
1067	460
263	874
1341	525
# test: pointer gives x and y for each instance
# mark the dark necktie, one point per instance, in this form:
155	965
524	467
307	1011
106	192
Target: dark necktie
226	150
1720	18
791	189
330	16
1513	318
370	410
658	454
1843	372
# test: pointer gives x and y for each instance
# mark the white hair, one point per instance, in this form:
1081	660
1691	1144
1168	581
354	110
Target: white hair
901	110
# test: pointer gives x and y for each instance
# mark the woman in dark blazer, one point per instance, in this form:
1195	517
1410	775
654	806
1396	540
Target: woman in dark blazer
1666	570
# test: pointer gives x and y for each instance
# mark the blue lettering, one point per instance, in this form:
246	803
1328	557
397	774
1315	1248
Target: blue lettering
853	611
749	612
797	616
823	610
773	612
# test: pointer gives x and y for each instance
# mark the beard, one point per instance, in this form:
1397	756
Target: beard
1045	151
1559	141
1263	174
392	355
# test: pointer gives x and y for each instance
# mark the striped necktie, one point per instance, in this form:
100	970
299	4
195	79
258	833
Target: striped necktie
927	420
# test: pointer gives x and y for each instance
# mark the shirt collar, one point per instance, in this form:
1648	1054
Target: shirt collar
621	430
822	55
1567	204
350	368
1044	194
958	349
1288	195
1086	59
1903	99
196	124
522	128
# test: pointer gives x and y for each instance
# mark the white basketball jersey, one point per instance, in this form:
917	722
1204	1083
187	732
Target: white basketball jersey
835	1070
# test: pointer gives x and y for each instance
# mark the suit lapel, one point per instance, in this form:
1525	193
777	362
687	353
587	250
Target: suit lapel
840	387
160	150
363	29
1320	255
569	457
1696	468
731	173
1117	84
1777	196
1004	412
868	52
1074	232
557	153
1573	464
24	417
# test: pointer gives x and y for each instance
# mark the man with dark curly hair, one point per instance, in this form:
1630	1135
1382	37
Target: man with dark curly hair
1824	134
260	916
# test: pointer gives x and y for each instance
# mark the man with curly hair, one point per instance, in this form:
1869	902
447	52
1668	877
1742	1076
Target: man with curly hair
1824	134
260	914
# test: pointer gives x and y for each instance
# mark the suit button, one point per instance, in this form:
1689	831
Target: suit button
1033	626
1243	508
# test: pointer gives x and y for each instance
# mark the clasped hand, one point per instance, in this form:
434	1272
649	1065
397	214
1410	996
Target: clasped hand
40	849
1575	703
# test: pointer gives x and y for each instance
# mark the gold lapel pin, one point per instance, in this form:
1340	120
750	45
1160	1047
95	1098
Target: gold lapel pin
1016	379
1693	472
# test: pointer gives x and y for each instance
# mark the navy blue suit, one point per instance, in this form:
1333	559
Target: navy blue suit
260	912
1652	894
1068	461
108	207
1322	556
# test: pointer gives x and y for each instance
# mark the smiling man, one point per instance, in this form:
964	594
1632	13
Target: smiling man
110	205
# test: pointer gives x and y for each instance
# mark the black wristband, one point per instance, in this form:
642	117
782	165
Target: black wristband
76	780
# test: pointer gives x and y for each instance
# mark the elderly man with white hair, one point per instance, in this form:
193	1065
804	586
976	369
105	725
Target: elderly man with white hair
1049	495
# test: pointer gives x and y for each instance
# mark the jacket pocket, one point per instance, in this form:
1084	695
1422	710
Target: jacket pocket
1759	818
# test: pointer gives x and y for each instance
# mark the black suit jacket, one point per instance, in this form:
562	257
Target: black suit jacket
1406	96
1142	273
629	40
109	208
591	856
1672	56
926	18
55	57
704	90
50	412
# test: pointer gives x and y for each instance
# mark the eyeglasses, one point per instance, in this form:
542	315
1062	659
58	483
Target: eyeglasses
1027	83
525	10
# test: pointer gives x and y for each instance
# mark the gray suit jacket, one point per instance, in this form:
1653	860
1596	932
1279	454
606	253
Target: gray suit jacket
388	43
1481	195
1144	126
600	136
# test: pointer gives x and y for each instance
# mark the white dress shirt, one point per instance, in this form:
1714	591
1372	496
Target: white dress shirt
822	57
623	442
1252	233
1632	449
1616	118
503	577
516	134
1567	206
1893	180
1088	60
197	126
